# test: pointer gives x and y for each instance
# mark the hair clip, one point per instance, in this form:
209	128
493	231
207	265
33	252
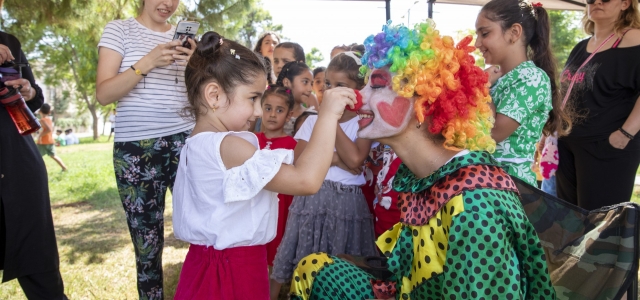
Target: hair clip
354	56
536	4
237	56
288	91
233	51
220	42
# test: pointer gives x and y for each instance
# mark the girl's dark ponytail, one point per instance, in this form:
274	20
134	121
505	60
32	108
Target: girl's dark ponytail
208	44
290	70
542	56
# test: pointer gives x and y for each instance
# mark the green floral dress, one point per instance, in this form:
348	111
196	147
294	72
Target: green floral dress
463	234
524	95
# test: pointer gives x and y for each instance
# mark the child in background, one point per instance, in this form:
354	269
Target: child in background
277	106
345	48
318	82
335	220
71	137
46	144
112	120
225	201
296	77
60	141
256	126
287	52
266	44
300	120
524	89
385	206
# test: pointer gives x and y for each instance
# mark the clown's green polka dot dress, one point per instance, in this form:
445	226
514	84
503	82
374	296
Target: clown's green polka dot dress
462	235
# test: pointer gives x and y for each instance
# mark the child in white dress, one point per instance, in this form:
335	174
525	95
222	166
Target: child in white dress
225	194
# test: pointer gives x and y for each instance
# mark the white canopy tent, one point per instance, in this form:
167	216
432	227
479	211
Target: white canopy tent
548	4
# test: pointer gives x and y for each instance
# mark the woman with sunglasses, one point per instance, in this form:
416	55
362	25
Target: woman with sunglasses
600	157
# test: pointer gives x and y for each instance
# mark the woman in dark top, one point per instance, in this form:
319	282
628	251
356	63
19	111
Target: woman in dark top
28	249
600	157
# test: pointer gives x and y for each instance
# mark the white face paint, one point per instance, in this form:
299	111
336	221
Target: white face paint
384	113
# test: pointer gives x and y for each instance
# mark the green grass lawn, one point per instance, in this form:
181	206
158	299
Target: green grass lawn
96	254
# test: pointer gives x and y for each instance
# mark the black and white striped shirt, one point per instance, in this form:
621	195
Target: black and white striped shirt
151	109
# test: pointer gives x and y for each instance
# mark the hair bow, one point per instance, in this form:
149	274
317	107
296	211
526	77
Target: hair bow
536	4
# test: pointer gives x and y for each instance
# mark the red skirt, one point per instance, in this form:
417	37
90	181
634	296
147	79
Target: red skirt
283	213
233	273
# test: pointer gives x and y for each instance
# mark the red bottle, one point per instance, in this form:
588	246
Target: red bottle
21	115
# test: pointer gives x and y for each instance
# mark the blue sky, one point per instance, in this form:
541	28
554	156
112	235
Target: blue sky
325	24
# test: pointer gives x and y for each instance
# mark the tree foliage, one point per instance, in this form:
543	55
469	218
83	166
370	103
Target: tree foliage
61	36
313	57
566	32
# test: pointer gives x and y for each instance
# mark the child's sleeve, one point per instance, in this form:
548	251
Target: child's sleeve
519	98
245	181
304	133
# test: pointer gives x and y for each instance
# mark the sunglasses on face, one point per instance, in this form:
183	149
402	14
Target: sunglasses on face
594	1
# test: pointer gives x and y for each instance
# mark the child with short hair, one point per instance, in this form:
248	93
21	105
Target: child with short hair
336	219
60	141
318	82
225	201
71	137
277	107
297	77
46	144
287	52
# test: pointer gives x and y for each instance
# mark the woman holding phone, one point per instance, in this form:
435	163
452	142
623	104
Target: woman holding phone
142	68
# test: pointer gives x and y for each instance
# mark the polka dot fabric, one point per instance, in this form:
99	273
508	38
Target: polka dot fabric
321	276
475	242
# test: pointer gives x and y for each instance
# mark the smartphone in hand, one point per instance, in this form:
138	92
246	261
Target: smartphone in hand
186	30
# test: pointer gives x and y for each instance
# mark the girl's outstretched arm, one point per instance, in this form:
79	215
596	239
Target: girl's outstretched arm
307	173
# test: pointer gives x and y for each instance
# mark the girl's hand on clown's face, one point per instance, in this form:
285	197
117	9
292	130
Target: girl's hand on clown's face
335	99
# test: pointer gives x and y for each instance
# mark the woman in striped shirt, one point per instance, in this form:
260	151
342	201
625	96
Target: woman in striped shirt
142	69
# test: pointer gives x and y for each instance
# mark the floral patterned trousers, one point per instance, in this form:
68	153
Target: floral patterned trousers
144	170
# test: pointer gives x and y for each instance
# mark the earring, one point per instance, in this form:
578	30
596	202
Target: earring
213	107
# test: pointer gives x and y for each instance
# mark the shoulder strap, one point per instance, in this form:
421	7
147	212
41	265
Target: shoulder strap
573	79
615	44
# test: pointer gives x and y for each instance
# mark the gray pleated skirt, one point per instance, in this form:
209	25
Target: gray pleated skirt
336	220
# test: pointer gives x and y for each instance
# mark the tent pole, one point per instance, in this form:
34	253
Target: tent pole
388	8
430	11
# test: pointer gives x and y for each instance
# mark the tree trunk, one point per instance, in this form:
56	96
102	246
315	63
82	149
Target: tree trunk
94	116
91	106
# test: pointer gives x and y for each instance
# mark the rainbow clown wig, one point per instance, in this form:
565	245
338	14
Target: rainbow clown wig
443	78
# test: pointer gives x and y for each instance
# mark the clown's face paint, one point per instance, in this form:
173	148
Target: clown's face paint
384	113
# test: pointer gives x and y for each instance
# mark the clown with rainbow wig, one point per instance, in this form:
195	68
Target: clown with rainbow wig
463	233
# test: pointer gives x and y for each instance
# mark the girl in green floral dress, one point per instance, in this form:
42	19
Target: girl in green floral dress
514	35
